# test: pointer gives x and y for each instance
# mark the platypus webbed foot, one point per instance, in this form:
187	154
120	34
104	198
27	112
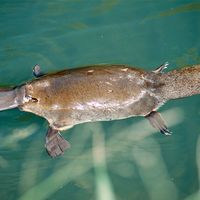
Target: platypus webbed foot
37	71
157	122
55	143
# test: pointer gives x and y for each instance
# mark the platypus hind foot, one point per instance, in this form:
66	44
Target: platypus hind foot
55	143
157	122
161	68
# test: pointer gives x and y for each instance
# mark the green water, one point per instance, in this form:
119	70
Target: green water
118	160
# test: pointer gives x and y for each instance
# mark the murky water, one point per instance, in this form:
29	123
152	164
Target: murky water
119	160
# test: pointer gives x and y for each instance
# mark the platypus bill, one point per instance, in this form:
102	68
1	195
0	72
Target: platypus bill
99	93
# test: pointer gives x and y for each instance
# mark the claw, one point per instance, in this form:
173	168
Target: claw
161	68
157	122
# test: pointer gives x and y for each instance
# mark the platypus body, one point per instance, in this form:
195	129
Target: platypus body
99	93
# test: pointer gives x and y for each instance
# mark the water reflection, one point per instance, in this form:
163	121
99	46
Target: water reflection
13	139
151	166
104	188
3	162
196	195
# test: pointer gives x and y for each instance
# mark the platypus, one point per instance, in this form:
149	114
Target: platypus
99	93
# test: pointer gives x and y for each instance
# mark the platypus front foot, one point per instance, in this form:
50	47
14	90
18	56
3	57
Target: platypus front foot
37	71
55	143
157	122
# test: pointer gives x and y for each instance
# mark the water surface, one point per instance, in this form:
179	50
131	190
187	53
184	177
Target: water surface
119	160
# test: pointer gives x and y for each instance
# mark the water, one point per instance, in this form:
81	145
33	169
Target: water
119	160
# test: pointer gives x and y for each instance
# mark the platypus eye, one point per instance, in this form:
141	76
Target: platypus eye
32	99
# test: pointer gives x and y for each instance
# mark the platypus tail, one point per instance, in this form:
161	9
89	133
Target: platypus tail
180	83
9	98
